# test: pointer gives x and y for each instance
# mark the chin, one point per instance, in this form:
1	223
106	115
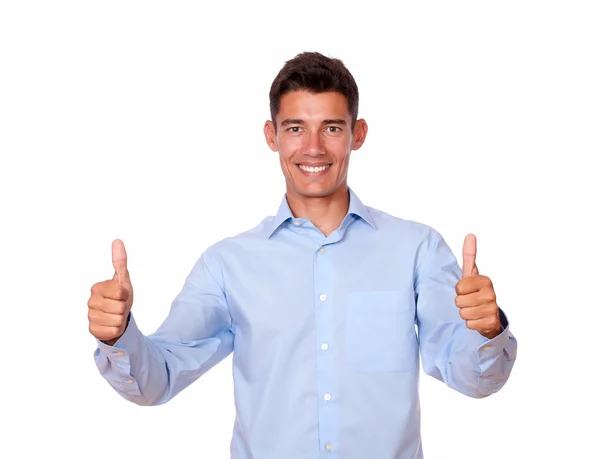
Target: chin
314	194
315	190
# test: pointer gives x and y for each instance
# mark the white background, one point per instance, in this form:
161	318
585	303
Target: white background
143	121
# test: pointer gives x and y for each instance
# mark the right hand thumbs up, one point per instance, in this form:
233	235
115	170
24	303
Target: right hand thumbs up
111	300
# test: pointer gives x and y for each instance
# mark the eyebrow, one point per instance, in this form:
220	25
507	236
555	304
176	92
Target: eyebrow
289	121
342	122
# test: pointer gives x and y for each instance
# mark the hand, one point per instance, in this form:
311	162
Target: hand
111	300
476	297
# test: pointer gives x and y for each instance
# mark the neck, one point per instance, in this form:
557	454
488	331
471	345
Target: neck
325	212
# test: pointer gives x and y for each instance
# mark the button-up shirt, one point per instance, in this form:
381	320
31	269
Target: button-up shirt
327	335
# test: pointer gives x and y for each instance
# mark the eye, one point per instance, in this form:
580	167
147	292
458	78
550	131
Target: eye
333	129
294	129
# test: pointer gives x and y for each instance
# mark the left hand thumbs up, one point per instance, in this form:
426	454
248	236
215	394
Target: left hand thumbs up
476	297
469	253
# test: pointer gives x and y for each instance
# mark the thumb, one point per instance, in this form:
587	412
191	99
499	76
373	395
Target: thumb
469	268
119	261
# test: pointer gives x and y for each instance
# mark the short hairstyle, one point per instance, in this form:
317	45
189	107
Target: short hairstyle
315	73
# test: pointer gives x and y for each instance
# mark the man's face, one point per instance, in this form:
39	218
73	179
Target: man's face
314	140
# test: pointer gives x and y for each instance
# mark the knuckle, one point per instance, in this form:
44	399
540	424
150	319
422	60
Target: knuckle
94	302
121	307
98	287
121	294
94	330
118	321
488	294
100	290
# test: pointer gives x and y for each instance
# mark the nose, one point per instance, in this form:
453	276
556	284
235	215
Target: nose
314	144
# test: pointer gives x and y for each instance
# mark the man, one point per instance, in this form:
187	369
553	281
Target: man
318	304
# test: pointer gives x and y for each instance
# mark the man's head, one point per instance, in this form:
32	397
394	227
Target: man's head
314	125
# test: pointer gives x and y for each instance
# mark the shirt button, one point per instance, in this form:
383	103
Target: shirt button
324	346
297	223
322	297
327	397
130	381
328	446
322	249
120	353
486	348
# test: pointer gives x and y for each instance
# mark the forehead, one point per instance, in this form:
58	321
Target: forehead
313	106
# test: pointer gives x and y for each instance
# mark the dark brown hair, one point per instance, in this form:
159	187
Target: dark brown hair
316	73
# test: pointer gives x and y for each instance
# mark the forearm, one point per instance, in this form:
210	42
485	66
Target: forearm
151	370
133	367
196	335
451	352
478	366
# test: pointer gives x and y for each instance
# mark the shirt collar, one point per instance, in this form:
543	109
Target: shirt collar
356	207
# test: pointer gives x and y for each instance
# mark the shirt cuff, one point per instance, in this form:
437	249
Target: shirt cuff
127	340
118	355
488	349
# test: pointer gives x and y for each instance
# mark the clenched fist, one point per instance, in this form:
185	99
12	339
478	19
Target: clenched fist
111	300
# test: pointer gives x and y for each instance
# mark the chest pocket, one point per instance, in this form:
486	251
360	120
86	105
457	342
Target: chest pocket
380	332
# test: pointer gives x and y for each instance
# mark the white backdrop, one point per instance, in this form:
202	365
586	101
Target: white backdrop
143	121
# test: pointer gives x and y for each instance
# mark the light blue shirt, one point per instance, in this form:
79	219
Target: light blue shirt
326	332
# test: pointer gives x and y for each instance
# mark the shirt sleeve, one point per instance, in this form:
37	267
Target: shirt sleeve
196	335
450	352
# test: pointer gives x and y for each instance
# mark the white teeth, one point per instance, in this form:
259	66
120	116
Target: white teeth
313	169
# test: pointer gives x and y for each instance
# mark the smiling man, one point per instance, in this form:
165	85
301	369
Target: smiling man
314	133
329	306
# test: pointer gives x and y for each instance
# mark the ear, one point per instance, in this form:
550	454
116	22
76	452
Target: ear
359	134
270	135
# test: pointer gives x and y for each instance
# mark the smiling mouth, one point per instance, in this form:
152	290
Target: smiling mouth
313	169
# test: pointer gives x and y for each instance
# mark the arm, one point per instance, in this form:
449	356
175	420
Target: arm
462	358
195	336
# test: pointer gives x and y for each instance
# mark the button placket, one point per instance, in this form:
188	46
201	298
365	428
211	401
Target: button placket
328	410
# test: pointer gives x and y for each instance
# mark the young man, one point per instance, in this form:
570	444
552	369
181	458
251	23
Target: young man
318	304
